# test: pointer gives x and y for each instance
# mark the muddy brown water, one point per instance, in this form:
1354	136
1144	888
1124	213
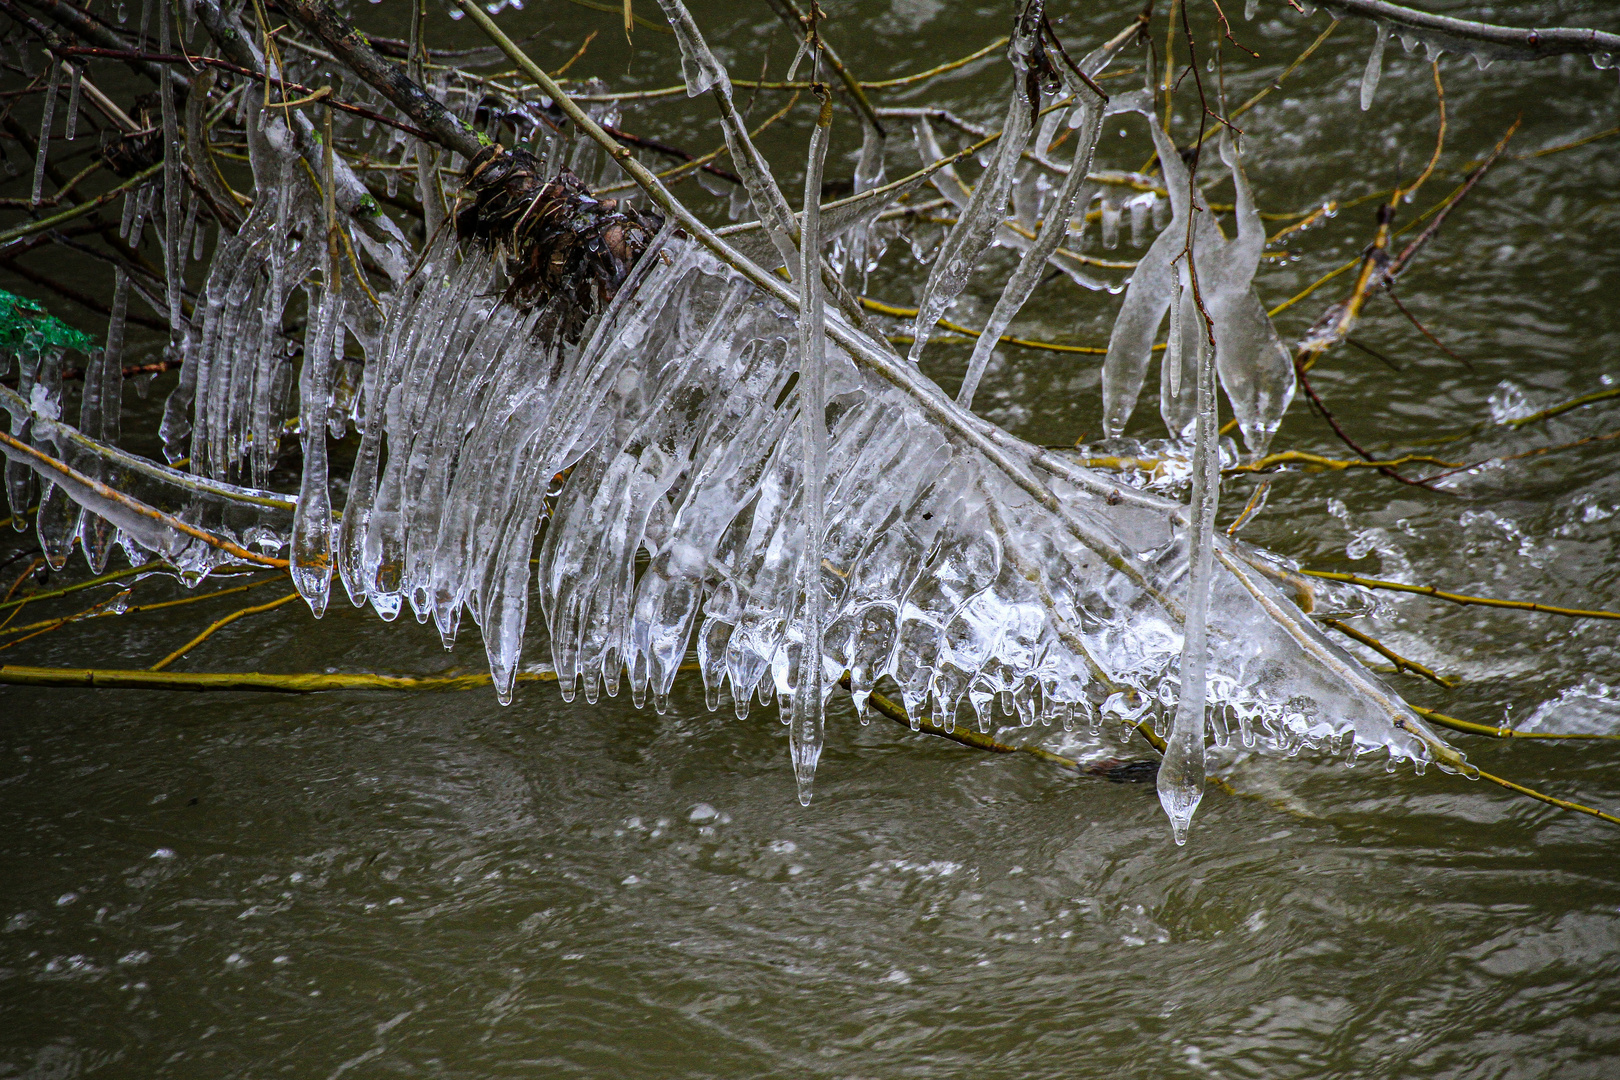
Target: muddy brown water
360	885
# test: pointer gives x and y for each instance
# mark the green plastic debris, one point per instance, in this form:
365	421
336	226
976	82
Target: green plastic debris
25	326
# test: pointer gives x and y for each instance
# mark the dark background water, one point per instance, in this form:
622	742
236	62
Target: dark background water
358	885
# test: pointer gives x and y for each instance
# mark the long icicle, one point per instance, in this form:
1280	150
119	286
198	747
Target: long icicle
1033	265
1181	775
46	118
100	410
172	264
312	523
809	697
966	241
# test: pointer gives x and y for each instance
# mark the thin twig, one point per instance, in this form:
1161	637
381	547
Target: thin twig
1472	728
219	624
1564	407
1401	663
1459	598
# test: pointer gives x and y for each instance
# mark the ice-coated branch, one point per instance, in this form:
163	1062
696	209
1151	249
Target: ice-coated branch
978	220
350	46
799	23
704	73
351	194
1088	121
1505	42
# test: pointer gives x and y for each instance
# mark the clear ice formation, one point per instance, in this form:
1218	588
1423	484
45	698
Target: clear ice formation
646	486
981	216
1059	212
1375	67
807	712
1181	773
1254	365
965	565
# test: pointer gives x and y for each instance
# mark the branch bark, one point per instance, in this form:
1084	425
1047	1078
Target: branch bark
388	79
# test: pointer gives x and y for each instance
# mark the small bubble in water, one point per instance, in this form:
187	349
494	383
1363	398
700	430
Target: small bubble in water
702	813
163	853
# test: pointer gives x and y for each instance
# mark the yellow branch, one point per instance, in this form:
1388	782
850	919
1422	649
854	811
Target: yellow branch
217	625
1284	457
110	679
99	579
1459	598
137	609
1564	407
1495	732
1401	663
907	313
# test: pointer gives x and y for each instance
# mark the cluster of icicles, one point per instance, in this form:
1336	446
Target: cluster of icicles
657	468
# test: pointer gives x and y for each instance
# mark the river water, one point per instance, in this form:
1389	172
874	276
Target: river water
351	884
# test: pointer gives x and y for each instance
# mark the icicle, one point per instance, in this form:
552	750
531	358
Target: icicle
19	477
199	238
1255	367
1375	67
188	225
264	438
809	695
100	413
71	128
1033	266
312	524
698	66
58	519
47	116
173	267
945	179
978	221
1113	206
1178	393
1181	773
862	247
1141	208
143	207
126	221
